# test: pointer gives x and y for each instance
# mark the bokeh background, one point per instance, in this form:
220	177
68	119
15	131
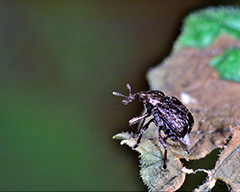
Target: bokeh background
59	63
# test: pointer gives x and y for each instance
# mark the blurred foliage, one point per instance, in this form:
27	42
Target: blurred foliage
201	28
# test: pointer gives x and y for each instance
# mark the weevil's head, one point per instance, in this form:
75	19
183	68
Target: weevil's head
151	98
148	98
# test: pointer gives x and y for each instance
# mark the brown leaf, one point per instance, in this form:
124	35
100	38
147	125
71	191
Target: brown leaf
209	135
214	102
152	172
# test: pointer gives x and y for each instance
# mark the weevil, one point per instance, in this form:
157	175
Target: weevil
167	113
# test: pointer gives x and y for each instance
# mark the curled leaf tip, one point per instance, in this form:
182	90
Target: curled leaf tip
122	136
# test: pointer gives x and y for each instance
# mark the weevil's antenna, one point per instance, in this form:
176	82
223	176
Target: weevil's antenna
119	94
129	89
129	98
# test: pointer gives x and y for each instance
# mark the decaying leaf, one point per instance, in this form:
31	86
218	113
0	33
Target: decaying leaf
227	167
214	102
152	172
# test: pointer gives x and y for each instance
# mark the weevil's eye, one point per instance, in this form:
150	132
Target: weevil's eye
142	96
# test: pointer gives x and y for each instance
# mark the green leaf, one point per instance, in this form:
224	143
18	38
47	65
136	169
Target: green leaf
152	172
201	28
228	64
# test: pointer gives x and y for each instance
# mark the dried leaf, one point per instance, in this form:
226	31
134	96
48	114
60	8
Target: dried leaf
211	134
214	102
152	172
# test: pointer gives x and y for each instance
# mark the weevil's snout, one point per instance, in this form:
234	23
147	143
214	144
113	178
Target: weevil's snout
143	97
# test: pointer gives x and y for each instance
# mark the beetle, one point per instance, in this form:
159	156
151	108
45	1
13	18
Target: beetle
167	113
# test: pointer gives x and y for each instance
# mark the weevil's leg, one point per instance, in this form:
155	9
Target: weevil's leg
132	121
135	120
163	143
141	131
165	138
141	124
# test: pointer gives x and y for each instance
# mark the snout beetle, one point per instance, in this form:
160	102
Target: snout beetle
167	113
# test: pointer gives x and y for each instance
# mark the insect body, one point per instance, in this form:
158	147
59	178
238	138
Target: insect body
167	113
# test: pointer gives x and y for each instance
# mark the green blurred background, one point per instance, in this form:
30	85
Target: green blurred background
60	61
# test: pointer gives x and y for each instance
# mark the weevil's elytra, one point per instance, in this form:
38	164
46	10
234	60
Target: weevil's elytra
167	113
